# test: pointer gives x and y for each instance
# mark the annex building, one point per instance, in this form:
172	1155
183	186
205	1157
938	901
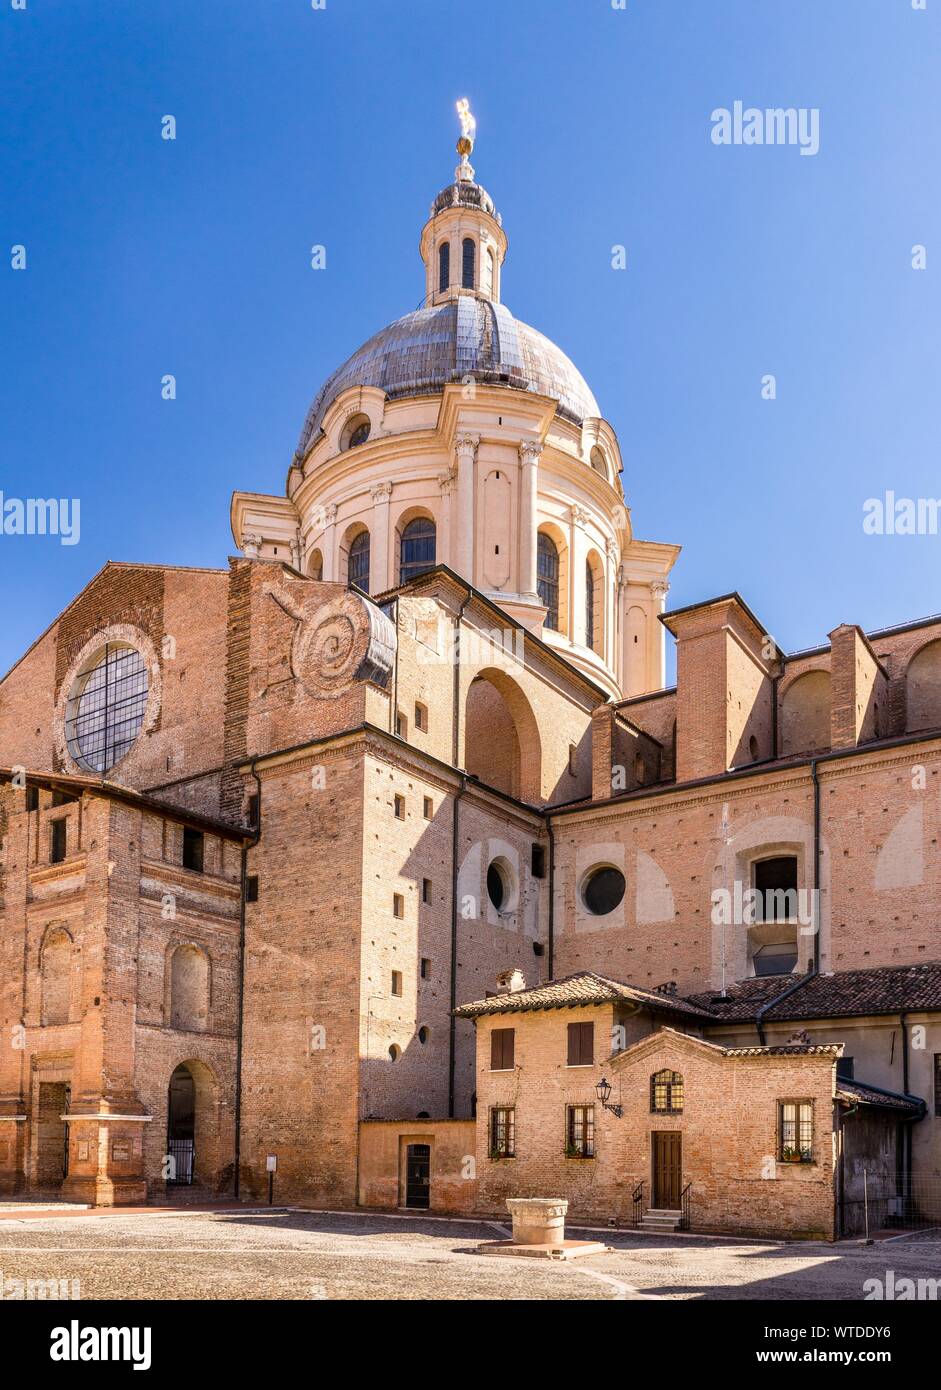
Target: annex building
384	852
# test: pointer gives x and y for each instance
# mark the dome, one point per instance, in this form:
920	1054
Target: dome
422	352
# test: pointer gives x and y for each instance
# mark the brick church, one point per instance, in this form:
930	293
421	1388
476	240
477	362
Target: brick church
382	867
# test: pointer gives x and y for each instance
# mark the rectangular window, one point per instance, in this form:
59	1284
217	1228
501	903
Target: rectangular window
844	1068
581	1044
253	809
503	1131
428	809
399	807
251	888
32	798
58	841
538	862
580	1131
193	849
421	717
425	968
398	905
796	1126
426	890
397	983
776	889
502	1049
401	725
937	1083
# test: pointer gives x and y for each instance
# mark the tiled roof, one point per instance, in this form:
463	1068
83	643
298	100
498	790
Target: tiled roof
574	990
787	1050
858	1093
844	994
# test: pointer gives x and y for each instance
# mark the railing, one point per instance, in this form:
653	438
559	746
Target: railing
889	1203
637	1200
182	1158
684	1207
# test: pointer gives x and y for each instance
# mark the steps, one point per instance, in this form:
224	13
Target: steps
660	1219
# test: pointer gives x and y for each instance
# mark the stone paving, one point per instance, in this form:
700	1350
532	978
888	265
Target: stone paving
276	1254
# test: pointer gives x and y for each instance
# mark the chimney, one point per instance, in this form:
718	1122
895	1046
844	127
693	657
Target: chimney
724	665
511	981
858	707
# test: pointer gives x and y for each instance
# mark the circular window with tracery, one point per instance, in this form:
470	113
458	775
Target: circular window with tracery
106	706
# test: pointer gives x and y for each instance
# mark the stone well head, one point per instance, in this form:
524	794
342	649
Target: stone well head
538	1220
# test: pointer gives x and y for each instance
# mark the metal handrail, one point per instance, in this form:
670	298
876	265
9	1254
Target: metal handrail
684	1207
637	1199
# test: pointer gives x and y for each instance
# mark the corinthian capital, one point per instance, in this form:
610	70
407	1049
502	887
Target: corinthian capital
580	516
251	544
381	492
530	451
659	588
466	444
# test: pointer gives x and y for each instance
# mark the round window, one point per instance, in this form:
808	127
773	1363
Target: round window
106	706
603	890
424	1034
497	887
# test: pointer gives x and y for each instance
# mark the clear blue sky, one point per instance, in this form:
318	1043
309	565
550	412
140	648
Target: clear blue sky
297	126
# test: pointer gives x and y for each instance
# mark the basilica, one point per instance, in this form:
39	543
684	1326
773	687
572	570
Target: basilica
379	867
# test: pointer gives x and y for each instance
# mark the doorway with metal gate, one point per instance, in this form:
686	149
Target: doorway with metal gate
667	1165
181	1128
418	1176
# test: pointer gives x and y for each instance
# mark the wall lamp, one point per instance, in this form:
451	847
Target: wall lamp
603	1090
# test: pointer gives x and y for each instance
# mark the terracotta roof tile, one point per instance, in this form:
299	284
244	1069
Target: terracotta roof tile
581	989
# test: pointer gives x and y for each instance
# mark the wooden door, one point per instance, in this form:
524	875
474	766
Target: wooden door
667	1168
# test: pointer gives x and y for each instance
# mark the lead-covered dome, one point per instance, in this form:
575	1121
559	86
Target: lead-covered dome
424	351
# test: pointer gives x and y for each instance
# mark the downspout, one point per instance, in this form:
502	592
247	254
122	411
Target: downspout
550	966
816	898
906	1178
792	988
394	706
455	751
241	992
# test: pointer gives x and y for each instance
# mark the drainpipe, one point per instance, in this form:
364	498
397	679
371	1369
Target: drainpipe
792	988
241	990
774	716
551	942
906	1177
394	706
452	1029
455	751
816	898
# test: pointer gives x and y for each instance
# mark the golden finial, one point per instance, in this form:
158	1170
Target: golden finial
468	128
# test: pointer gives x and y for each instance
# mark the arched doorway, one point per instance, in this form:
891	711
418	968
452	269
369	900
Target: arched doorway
181	1127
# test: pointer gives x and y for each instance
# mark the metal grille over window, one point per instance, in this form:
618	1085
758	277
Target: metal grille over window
666	1092
797	1131
580	1131
417	552
547	578
106	708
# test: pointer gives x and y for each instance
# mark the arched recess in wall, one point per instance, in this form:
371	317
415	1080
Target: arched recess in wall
189	988
501	737
594	603
416	543
315	564
805	714
56	976
552	576
923	689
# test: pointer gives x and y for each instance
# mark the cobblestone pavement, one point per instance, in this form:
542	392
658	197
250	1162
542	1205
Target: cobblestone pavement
312	1255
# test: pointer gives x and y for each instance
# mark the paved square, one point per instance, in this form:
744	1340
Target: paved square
275	1254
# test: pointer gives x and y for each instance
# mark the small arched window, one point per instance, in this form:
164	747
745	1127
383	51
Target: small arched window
666	1093
598	462
358	567
468	252
417	548
589	605
315	565
444	266
547	578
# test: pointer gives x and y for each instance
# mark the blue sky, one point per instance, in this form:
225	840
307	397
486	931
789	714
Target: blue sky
298	126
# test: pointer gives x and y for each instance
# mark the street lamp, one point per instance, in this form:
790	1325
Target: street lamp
603	1090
